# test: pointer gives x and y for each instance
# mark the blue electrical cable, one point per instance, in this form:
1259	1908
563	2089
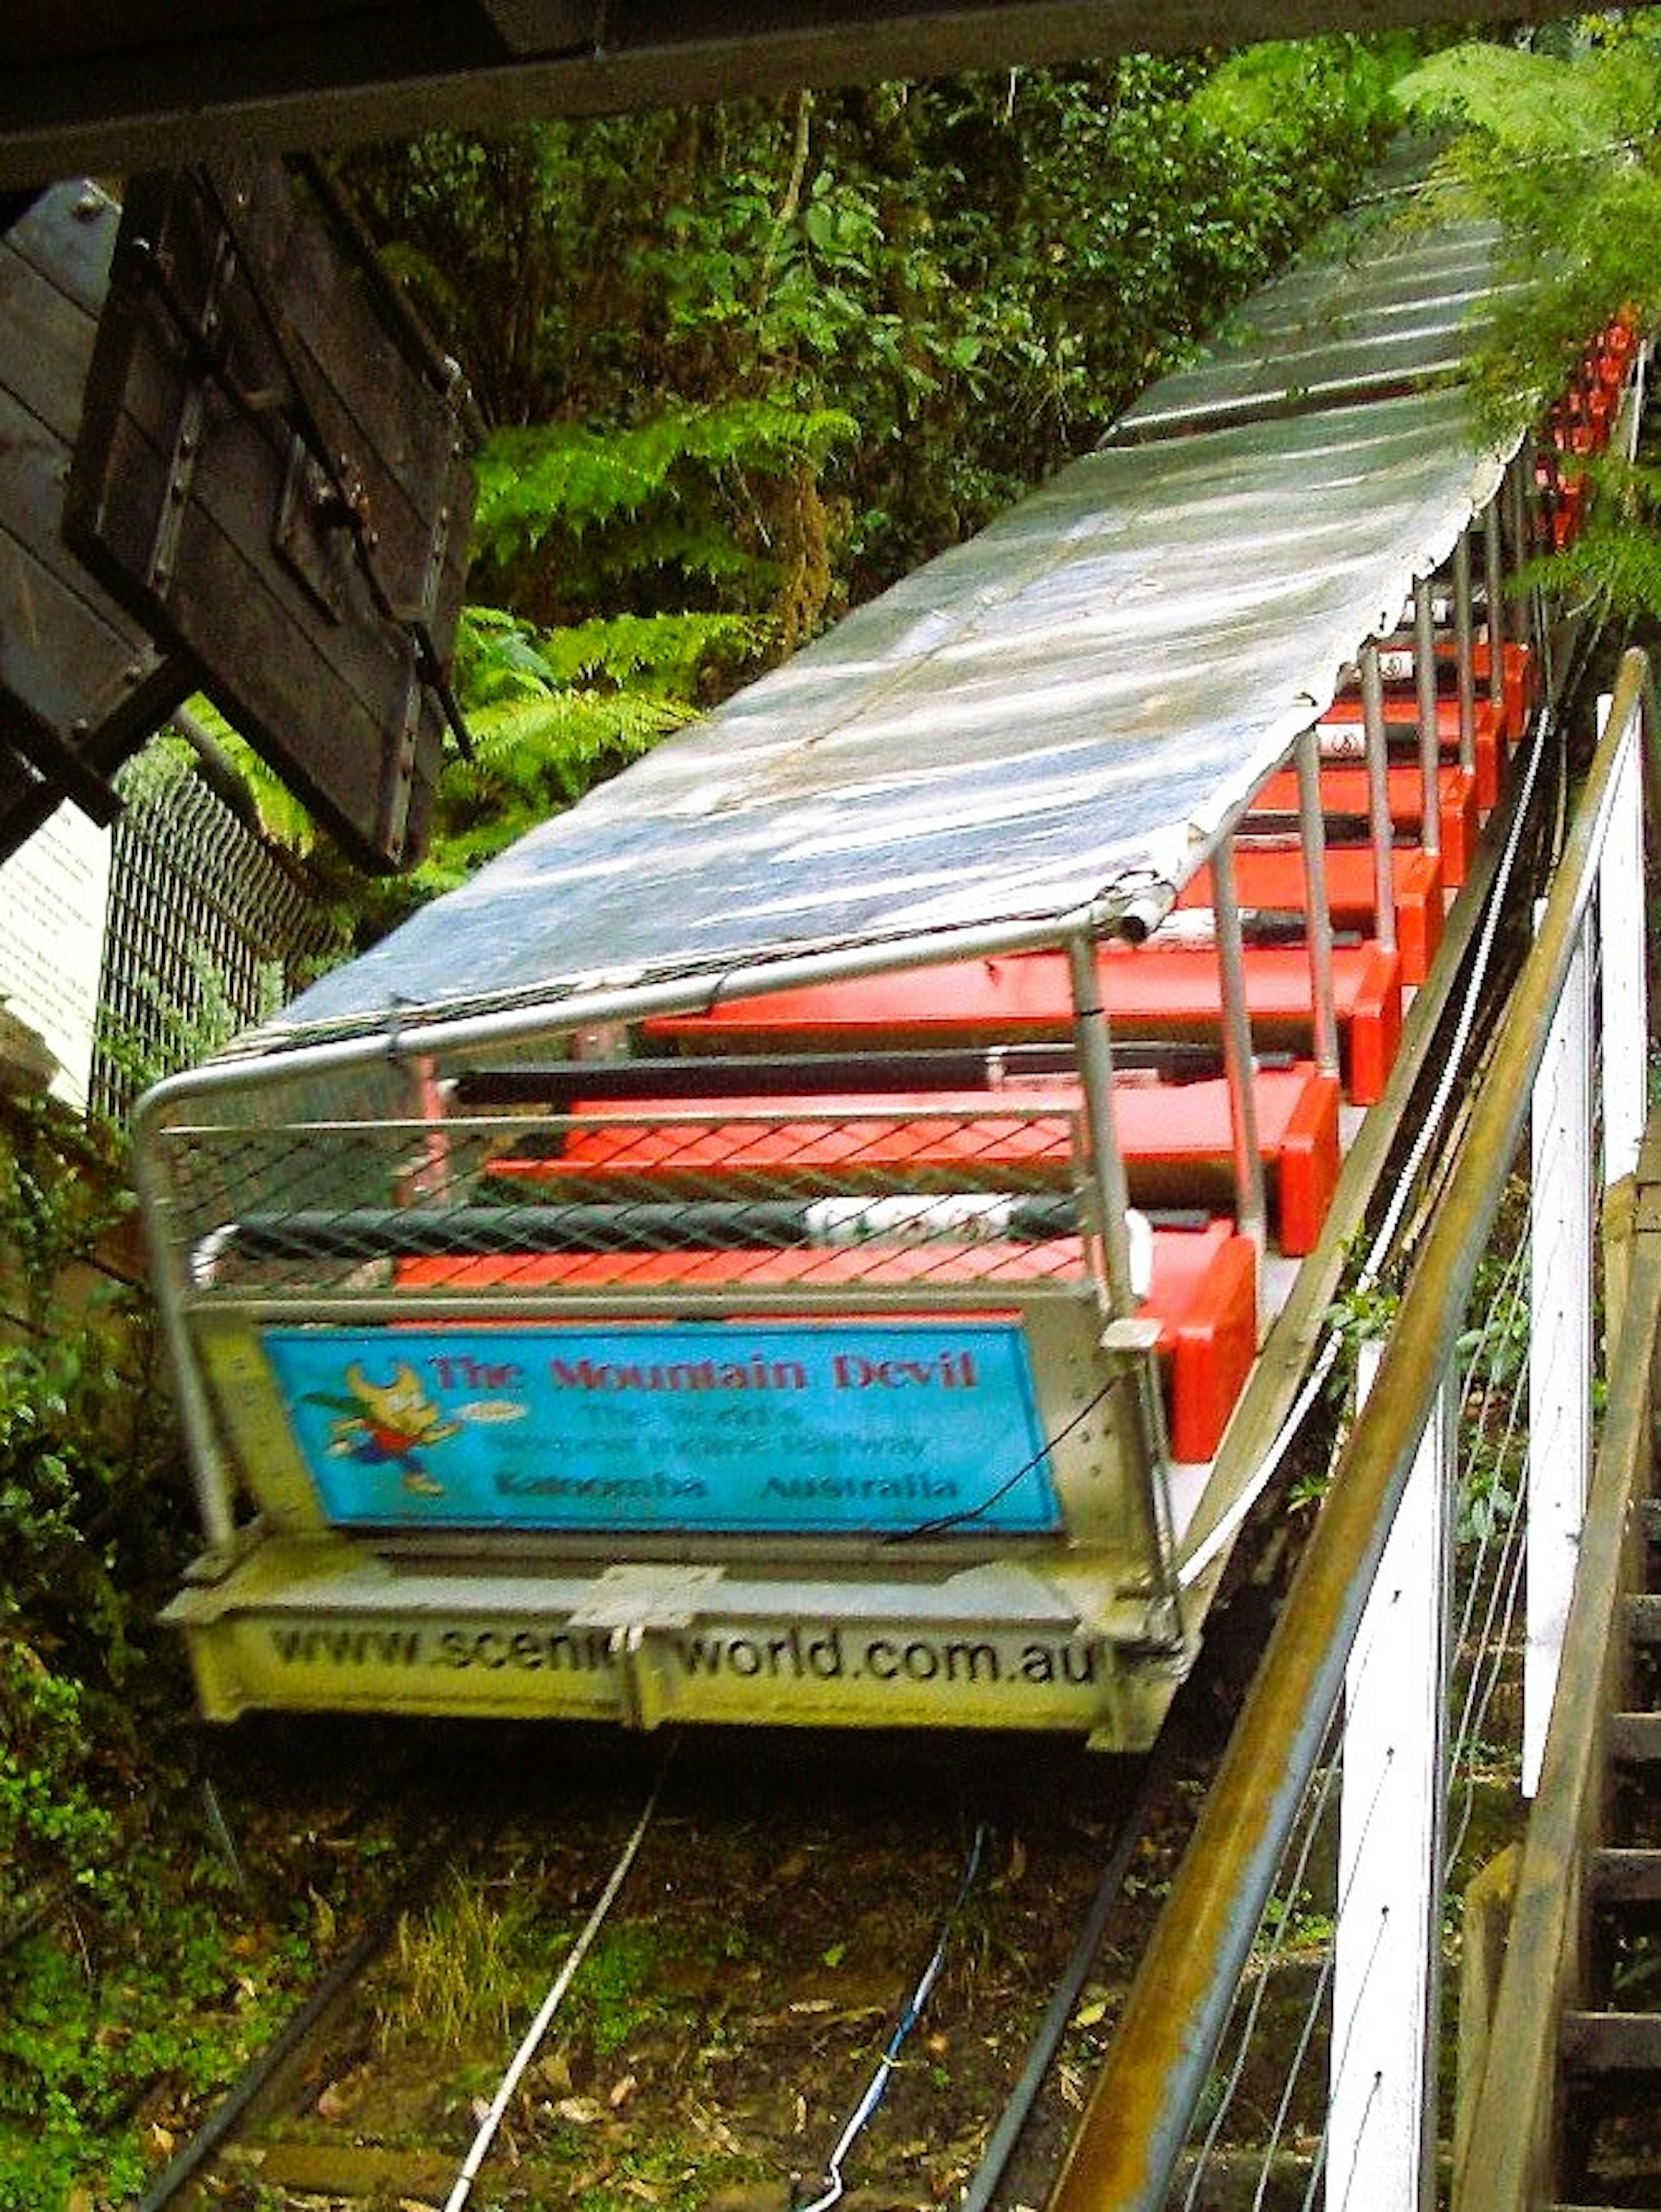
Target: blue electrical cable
908	2019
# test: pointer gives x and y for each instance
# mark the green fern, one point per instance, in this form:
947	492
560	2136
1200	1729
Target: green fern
1535	106
1562	146
561	478
1563	154
500	657
531	758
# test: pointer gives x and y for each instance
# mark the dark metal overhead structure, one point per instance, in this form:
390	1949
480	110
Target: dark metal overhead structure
86	86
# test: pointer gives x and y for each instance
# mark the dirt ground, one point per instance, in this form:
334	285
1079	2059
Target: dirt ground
732	2016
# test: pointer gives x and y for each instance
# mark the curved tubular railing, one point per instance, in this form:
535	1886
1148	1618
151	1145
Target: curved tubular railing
1136	2126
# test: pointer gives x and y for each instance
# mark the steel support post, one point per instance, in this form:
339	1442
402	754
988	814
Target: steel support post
1311	830
1384	839
1430	743
1112	1200
1623	1027
1095	1050
1238	1058
1560	1345
170	1262
1495	567
1464	643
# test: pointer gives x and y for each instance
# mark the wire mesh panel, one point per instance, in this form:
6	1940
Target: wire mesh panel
205	933
713	1204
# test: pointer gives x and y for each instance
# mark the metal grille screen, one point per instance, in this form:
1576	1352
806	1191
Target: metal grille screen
207	930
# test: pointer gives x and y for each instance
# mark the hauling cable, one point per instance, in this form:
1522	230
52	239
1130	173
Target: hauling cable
550	2004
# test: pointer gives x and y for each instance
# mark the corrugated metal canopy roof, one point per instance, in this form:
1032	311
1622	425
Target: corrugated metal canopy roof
1069	707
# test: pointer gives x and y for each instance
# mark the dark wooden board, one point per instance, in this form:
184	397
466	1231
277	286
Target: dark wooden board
246	377
81	681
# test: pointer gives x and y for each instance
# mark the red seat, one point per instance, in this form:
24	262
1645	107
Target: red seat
1148	990
1516	682
1274	882
1344	792
1176	1140
1488	735
1205	1294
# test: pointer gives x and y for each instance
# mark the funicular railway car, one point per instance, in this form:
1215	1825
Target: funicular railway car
821	1231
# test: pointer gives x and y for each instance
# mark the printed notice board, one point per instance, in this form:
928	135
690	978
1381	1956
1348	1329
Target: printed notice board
706	1425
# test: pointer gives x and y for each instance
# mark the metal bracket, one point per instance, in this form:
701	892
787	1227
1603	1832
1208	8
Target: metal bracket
205	338
395	799
310	532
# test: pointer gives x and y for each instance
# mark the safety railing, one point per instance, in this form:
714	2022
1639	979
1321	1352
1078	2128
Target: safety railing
704	1204
1289	2001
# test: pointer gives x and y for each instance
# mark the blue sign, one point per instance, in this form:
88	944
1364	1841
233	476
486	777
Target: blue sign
711	1425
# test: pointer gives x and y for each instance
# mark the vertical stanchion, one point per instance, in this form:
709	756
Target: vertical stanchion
1238	1060
1430	736
1493	566
1311	832
1377	742
1381	2129
1623	1005
1560	1345
1465	649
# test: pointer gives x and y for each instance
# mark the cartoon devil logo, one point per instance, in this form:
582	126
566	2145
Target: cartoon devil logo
388	1424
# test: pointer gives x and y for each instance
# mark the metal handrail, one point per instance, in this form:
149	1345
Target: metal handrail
1139	2116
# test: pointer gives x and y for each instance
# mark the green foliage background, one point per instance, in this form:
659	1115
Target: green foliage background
1557	137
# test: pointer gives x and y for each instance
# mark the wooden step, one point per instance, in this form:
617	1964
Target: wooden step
1625	1877
1635	1738
1611	2043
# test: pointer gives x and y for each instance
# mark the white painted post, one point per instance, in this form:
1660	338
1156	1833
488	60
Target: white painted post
1381	2125
1623	1006
1560	1346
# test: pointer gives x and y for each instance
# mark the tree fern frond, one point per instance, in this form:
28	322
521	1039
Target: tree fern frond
1528	104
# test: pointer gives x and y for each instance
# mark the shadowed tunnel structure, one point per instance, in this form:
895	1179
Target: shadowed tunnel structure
109	86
